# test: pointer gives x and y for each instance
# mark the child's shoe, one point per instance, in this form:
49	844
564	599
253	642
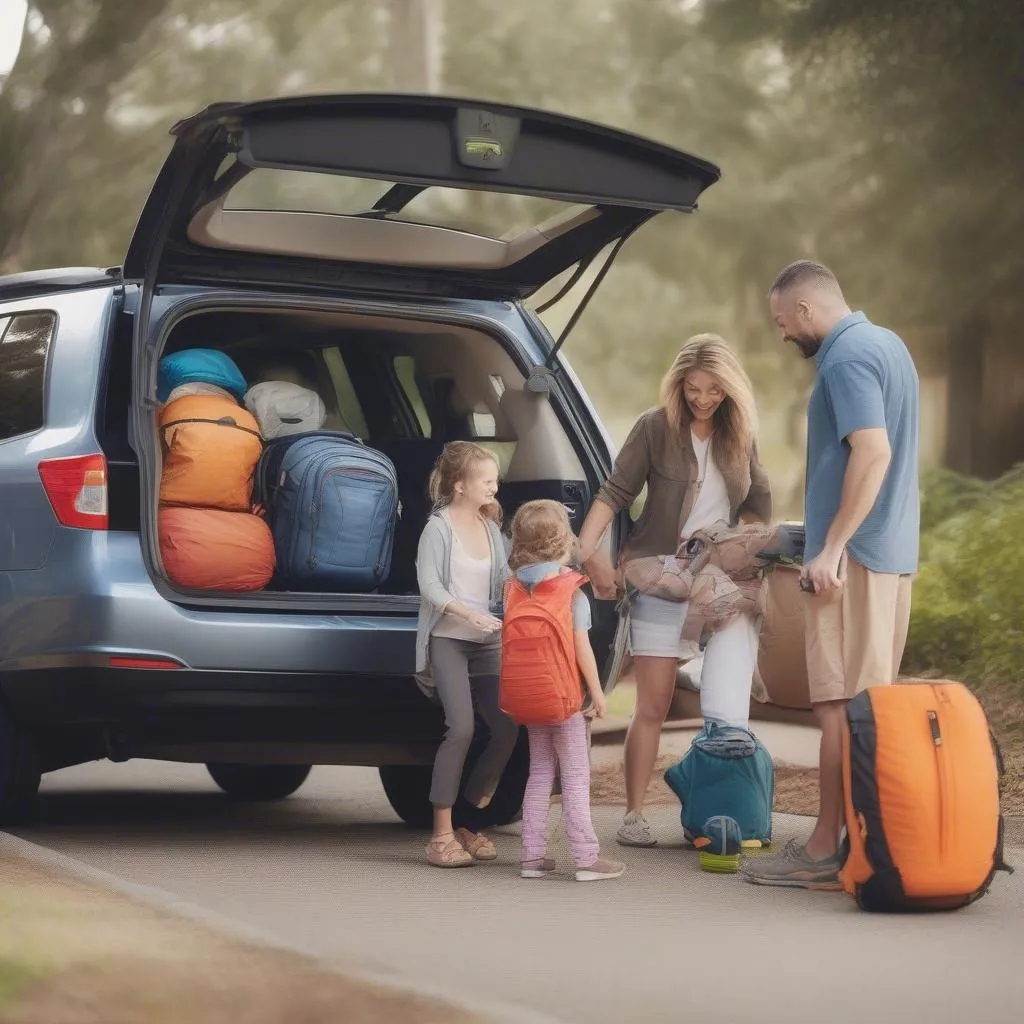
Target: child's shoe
600	870
536	868
720	845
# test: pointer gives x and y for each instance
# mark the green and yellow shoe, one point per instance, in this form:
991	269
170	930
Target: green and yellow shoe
720	845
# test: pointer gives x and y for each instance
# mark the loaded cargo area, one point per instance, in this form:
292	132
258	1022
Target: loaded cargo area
402	387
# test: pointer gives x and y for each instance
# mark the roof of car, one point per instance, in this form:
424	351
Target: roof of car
45	282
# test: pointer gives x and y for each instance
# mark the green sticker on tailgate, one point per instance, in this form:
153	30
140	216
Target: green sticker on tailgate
484	149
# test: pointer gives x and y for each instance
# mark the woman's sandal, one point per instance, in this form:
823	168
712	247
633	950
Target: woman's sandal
447	852
478	846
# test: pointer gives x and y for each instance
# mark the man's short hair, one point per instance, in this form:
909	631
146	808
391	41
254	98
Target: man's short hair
803	271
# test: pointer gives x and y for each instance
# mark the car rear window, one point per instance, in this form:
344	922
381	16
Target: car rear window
477	211
24	343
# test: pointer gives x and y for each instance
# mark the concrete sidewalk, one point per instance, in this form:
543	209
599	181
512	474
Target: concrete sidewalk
332	873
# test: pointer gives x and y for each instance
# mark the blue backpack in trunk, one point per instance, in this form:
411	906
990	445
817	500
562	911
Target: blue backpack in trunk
727	772
332	505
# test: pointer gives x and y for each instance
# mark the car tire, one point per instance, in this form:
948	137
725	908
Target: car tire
407	787
19	771
259	781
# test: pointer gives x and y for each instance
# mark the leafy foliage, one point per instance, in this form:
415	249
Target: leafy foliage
967	618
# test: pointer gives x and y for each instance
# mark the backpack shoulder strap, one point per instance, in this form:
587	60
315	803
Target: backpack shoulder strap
566	584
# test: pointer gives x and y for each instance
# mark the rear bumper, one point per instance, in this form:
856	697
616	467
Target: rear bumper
259	717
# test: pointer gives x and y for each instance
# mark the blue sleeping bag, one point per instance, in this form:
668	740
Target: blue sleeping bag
726	772
199	366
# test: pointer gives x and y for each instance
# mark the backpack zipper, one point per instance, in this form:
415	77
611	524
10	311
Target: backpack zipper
945	783
224	421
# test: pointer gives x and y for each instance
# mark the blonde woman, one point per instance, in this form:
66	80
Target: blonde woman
697	454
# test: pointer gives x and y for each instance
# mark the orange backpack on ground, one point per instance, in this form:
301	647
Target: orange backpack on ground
921	782
540	681
211	447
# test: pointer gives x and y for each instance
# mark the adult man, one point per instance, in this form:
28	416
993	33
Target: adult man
862	520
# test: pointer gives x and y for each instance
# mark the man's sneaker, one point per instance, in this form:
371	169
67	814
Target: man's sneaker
600	870
636	831
793	867
536	868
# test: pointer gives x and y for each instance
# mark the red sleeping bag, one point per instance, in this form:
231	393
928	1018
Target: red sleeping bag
208	549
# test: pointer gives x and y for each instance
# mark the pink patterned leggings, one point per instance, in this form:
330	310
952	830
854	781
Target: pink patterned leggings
562	746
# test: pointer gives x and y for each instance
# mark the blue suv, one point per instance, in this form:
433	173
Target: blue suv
401	256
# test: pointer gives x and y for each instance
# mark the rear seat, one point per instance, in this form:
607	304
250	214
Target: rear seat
414	459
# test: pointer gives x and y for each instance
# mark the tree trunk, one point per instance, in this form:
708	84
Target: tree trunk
416	45
56	98
985	427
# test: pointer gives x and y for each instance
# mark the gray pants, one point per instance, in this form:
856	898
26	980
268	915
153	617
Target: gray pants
466	673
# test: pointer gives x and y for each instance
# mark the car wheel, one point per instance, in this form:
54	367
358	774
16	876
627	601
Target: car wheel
407	788
259	781
19	771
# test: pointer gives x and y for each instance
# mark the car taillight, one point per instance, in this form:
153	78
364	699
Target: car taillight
163	664
77	489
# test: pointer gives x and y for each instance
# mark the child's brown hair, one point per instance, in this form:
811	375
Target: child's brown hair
541	533
454	464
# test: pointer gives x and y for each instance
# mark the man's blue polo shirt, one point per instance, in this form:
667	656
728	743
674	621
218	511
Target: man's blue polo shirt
866	378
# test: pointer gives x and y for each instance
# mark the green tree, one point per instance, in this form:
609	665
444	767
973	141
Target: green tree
929	212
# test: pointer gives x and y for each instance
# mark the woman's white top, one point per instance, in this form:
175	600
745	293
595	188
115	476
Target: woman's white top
471	585
712	502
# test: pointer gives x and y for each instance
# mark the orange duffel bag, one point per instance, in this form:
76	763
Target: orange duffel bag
921	780
208	549
211	447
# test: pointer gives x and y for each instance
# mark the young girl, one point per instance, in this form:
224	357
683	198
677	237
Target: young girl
542	546
461	570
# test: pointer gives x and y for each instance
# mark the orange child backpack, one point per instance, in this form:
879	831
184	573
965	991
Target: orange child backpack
540	681
921	782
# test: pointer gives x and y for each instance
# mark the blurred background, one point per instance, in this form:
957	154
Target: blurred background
881	138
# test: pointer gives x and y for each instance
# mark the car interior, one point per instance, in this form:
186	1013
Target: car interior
406	387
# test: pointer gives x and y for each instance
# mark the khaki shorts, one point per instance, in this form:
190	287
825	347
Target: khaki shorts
855	635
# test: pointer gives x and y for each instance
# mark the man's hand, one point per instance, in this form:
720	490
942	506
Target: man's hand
602	576
823	572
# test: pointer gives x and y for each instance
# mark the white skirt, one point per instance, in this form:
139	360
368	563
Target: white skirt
656	628
727	672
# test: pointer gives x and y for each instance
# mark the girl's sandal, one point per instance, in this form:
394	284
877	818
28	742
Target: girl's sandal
448	852
478	846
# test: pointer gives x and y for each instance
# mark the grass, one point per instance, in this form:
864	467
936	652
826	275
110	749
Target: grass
15	976
622	700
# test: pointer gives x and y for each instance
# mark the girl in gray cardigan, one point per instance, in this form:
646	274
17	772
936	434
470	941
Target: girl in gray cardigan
461	568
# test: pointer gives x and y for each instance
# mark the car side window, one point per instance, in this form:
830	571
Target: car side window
405	372
349	409
24	345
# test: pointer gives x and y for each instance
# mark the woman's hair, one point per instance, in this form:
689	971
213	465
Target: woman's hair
541	533
736	418
455	464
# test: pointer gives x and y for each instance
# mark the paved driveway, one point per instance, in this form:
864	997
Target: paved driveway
333	872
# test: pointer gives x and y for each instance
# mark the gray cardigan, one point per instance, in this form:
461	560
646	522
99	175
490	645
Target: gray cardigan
434	575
